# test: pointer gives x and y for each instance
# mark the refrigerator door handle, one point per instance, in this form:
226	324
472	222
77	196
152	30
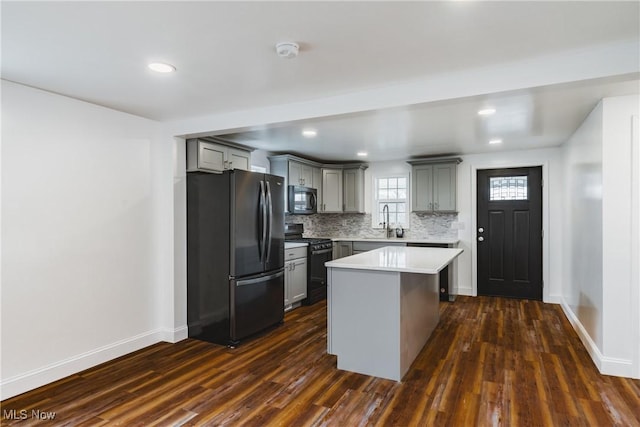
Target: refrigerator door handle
270	228
263	222
260	279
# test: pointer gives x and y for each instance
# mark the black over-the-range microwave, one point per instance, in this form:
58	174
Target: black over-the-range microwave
302	200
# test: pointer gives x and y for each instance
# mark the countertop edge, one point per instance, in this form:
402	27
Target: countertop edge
340	263
395	240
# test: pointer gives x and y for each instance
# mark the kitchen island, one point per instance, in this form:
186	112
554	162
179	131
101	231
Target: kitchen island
382	307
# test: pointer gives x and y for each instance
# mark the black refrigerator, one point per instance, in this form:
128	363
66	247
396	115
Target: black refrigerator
235	254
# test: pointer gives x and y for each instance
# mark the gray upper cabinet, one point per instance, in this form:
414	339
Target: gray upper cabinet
296	170
209	156
422	188
353	191
433	186
340	186
317	183
331	190
300	174
444	187
238	159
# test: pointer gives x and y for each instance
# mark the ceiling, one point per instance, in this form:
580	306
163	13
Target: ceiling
226	62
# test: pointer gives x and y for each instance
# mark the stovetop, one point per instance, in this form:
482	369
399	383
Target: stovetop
309	240
293	233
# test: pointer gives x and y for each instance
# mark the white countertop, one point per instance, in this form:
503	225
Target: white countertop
293	245
444	241
399	258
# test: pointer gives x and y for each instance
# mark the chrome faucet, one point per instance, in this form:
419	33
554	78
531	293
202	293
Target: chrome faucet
385	220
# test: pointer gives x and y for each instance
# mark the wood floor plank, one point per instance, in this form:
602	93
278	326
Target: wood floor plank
489	362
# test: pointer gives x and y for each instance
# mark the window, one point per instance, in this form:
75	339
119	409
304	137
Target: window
391	192
508	188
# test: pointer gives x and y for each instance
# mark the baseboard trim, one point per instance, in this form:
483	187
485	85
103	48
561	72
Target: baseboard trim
606	365
175	335
38	377
464	291
553	299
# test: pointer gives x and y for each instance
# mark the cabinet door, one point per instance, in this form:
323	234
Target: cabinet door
307	175
298	282
422	191
342	249
316	173
444	187
295	173
288	271
211	156
331	190
239	159
353	189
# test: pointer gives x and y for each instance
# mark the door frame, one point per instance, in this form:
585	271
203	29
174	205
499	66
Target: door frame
546	296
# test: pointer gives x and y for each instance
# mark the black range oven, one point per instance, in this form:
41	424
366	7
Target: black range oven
319	251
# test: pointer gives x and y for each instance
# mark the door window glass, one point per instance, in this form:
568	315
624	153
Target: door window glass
508	188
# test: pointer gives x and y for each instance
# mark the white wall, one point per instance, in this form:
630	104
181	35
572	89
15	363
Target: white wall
260	158
582	221
600	295
79	234
617	346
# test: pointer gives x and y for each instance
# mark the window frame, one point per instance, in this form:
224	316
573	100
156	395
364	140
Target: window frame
376	220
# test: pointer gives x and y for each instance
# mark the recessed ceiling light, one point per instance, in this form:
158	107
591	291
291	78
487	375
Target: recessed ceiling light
160	67
361	153
486	111
495	141
309	133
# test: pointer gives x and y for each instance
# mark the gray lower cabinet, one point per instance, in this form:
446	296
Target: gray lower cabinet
342	249
433	185
359	247
295	275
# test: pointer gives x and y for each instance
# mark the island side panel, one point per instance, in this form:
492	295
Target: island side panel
364	307
419	314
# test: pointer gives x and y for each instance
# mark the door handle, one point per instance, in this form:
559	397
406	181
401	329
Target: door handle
314	201
270	216
480	239
263	232
480	230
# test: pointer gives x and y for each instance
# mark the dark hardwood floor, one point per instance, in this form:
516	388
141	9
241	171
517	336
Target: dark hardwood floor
490	361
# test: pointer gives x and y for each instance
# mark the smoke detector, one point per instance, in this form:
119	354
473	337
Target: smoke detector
287	50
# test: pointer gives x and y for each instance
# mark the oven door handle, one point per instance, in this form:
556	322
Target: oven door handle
323	251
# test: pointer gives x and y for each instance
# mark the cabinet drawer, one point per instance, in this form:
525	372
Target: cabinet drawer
369	246
294	253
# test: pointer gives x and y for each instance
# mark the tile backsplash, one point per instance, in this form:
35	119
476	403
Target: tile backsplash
422	225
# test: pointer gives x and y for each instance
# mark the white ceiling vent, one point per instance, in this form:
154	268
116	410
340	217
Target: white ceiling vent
287	50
